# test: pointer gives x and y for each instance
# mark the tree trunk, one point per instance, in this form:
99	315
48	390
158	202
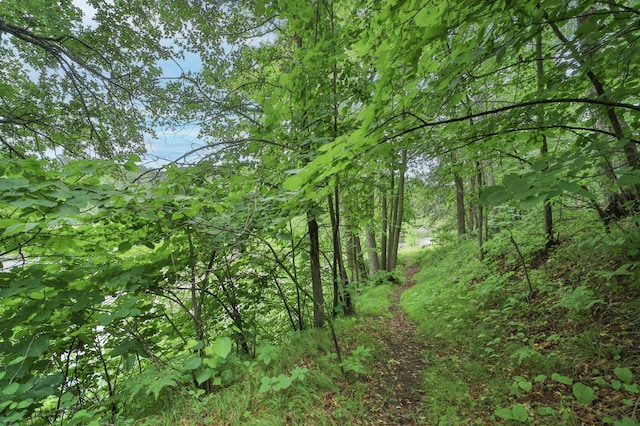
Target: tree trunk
372	253
544	148
398	212
480	211
352	264
383	239
472	206
360	263
342	302
460	211
316	279
459	184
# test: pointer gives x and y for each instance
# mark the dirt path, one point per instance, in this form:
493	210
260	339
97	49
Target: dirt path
396	395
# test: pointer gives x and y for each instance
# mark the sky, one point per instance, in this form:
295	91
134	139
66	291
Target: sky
168	144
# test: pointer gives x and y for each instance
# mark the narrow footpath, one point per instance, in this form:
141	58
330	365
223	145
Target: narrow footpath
396	394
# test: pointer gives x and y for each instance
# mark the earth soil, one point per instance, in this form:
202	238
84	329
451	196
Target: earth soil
396	394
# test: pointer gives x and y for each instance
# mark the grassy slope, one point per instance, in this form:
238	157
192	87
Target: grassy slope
495	350
493	353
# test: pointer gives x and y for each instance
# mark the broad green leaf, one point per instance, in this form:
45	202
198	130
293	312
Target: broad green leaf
504	413
122	348
583	393
623	373
577	189
38	346
525	385
494	195
282	382
10	389
520	413
562	379
203	375
8	184
265	384
193	363
222	346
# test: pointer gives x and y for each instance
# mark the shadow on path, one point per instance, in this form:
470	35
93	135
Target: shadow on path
396	396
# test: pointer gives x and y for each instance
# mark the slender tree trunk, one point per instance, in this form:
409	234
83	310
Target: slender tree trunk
459	184
341	298
372	253
480	211
392	212
294	272
460	210
383	239
316	279
361	265
544	148
352	265
398	214
472	206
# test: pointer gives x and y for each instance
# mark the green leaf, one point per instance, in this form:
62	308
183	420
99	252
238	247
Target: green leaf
222	346
562	379
583	393
297	180
130	166
38	346
577	189
8	184
623	374
10	389
504	413
520	413
626	421
285	236
265	384
525	386
193	363
204	375
283	382
494	195
194	345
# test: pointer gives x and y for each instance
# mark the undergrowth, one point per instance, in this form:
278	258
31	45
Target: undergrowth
495	353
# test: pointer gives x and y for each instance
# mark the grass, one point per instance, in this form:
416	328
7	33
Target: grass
375	300
494	355
493	350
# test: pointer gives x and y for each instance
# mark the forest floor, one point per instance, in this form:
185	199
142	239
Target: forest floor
395	396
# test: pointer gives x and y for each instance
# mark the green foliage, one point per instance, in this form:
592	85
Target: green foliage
388	277
579	301
121	288
517	412
357	360
583	393
375	300
283	381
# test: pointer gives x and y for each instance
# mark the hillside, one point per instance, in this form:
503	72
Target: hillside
458	341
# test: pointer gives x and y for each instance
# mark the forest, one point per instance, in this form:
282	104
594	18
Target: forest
411	212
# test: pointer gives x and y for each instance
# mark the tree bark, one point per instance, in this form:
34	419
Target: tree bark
383	239
316	278
544	148
372	253
398	213
459	184
480	211
460	210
